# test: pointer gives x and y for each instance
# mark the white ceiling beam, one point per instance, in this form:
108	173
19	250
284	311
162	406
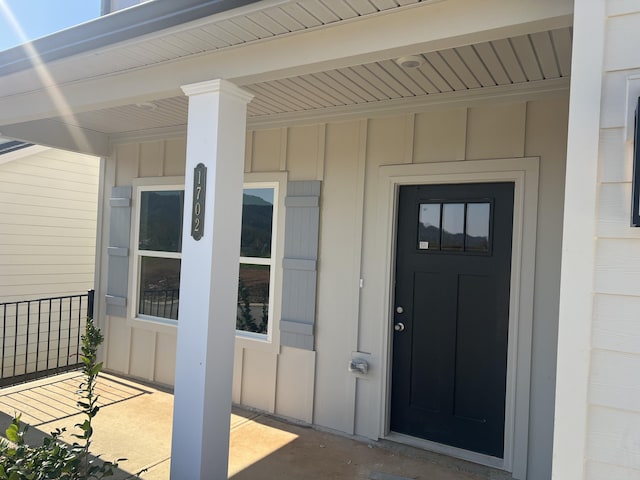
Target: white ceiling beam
419	29
55	134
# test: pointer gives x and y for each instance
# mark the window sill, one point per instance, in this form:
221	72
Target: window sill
154	324
253	341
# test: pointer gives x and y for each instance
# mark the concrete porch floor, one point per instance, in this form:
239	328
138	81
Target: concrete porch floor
135	423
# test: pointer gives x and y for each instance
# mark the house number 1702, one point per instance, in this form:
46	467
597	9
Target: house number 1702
199	195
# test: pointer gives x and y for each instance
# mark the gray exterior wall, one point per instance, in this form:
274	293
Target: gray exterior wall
314	385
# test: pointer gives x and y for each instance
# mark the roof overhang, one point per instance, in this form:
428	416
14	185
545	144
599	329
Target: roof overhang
116	28
294	65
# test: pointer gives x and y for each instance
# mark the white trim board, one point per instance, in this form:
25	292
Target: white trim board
22	153
524	173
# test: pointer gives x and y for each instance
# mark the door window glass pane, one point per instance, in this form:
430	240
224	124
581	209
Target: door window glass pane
253	298
453	226
257	222
478	227
429	227
161	221
159	287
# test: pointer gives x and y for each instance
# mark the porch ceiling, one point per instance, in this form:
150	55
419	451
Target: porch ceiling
255	22
533	59
304	61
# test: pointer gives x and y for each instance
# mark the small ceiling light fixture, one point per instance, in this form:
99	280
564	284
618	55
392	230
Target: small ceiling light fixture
150	106
410	61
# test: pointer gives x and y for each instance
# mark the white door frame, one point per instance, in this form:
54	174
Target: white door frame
524	173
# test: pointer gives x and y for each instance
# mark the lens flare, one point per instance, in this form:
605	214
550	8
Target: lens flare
58	100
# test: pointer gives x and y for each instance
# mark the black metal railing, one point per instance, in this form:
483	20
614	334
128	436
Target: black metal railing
160	303
42	337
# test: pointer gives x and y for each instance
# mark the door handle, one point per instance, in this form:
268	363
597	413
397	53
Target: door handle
398	327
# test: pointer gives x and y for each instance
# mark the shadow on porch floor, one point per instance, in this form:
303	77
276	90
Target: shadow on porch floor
135	423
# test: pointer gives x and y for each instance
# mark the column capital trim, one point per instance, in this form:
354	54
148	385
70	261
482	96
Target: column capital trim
217	86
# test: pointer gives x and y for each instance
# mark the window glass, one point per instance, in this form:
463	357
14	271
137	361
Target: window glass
161	220
462	227
159	293
429	227
257	222
453	226
159	251
256	260
253	298
478	227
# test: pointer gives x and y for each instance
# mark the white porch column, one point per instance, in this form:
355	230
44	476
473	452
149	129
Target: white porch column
209	281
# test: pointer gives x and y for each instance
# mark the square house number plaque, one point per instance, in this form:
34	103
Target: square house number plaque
199	194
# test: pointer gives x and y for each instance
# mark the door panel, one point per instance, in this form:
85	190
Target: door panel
453	270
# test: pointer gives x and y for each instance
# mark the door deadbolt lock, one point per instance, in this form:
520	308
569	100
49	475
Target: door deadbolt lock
398	327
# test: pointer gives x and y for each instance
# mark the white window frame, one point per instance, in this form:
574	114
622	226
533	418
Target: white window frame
269	342
148	184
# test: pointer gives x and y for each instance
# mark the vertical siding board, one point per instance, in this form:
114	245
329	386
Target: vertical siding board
259	370
295	379
322	138
303	152
236	389
496	131
118	344
409	132
339	270
165	364
266	150
440	136
248	152
141	360
542	118
151	159
175	151
284	134
126	157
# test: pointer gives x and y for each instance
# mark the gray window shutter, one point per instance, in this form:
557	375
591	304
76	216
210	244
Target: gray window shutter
118	250
300	264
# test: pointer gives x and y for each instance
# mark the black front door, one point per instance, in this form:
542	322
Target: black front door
451	314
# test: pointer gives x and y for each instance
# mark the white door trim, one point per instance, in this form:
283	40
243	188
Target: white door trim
524	173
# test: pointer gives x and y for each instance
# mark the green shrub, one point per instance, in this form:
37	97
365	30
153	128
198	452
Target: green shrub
55	459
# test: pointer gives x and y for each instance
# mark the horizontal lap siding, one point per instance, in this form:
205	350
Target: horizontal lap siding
613	443
48	209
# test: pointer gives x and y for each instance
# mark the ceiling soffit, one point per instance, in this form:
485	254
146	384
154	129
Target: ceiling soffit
518	60
242	26
535	59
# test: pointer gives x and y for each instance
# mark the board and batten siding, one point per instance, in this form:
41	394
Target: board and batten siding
48	209
613	424
315	385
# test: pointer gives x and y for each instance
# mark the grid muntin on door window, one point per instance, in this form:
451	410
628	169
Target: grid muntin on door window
455	226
